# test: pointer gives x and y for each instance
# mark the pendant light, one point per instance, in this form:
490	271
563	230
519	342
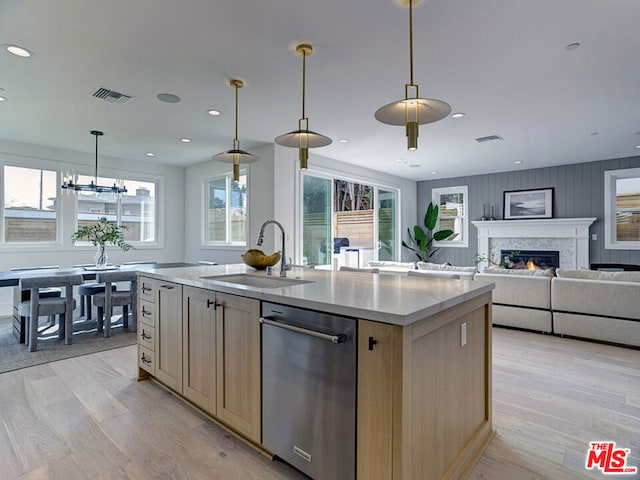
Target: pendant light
235	155
69	185
303	139
412	110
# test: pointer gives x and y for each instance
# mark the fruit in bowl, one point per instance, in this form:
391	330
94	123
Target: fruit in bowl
257	259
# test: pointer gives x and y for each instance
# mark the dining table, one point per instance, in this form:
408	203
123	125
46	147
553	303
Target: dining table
11	278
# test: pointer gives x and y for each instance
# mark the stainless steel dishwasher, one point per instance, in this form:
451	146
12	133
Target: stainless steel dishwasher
309	390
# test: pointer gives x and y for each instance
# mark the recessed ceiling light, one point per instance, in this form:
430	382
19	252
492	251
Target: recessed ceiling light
594	133
458	115
150	154
214	113
572	46
637	133
18	51
343	140
2	99
435	172
185	140
398	159
518	162
405	162
415	165
168	98
637	146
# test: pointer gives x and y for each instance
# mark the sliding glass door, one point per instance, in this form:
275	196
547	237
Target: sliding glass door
347	222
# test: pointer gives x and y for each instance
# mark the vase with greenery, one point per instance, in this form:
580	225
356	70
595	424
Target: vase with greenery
100	234
421	241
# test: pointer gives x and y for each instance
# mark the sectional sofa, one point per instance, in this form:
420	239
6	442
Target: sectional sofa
588	304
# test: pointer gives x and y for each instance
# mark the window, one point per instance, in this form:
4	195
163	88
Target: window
226	212
453	215
29	208
136	210
622	209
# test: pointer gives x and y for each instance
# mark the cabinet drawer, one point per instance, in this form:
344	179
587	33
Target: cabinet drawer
146	289
147	313
146	336
146	359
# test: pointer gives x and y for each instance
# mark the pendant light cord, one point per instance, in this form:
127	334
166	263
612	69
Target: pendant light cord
236	139
411	40
96	169
304	61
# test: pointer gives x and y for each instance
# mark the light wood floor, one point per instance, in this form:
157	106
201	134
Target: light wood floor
86	418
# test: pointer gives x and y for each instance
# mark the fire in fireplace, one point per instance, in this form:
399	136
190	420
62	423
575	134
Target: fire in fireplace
530	259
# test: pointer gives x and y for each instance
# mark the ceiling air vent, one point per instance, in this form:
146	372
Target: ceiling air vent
489	138
110	96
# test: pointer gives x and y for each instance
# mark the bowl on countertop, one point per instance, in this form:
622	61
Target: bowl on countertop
257	259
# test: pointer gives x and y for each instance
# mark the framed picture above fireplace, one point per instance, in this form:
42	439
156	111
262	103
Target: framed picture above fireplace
528	204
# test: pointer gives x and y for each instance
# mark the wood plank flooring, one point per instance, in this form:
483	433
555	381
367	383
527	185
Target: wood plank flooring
86	418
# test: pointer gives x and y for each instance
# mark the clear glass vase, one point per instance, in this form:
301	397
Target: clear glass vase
101	259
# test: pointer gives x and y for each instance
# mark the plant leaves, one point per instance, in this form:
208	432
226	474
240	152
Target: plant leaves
431	217
442	235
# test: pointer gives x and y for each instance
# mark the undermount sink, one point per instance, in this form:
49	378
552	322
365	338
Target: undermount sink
256	281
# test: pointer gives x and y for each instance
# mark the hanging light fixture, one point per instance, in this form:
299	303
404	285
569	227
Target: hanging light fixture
303	139
235	155
412	110
69	184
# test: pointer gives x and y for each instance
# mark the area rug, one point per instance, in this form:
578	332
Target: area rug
14	355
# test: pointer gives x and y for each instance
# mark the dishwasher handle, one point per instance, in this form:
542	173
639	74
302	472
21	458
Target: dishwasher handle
340	338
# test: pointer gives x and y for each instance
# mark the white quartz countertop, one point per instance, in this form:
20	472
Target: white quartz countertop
393	299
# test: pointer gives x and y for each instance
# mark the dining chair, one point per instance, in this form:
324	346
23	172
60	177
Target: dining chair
108	299
43	292
37	307
362	270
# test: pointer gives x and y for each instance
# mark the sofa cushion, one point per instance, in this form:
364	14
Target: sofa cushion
596	297
519	290
519	271
598	275
388	266
529	318
441	274
444	267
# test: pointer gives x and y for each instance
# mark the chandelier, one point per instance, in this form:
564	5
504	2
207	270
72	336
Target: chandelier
68	183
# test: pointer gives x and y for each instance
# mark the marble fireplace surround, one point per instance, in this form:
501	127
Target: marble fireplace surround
570	236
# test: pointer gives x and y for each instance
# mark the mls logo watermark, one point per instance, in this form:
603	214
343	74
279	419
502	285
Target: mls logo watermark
609	459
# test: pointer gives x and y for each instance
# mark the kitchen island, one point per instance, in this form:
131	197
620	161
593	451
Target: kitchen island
423	370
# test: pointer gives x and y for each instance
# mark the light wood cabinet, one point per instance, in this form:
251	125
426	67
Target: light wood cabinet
168	305
238	364
199	347
424	398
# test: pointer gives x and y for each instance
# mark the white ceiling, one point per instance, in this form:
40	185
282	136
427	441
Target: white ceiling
502	62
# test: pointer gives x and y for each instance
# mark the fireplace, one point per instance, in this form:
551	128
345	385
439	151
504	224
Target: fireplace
530	259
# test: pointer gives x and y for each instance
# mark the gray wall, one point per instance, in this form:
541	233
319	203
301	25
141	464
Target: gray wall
579	192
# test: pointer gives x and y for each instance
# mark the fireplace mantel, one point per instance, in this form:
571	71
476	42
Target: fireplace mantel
573	232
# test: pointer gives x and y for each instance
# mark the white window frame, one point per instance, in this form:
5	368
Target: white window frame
138	245
610	178
461	241
59	210
205	232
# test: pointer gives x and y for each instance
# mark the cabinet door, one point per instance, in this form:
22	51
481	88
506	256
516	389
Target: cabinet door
379	401
199	347
169	334
238	364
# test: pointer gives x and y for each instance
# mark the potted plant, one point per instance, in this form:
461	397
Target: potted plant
421	241
101	233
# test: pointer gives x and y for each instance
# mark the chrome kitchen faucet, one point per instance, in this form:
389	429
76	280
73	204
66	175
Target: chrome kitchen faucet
283	256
